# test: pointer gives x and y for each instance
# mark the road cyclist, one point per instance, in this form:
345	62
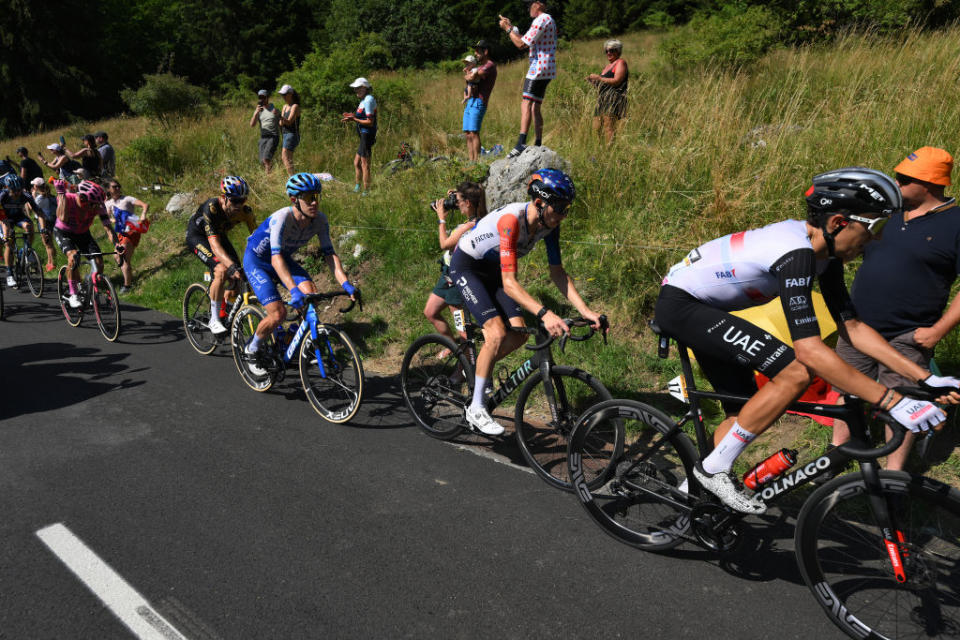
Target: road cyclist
484	267
207	237
14	202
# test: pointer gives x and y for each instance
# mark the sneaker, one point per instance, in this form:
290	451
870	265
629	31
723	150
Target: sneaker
123	290
49	266
11	281
216	326
73	301
725	486
516	151
479	419
356	188
253	367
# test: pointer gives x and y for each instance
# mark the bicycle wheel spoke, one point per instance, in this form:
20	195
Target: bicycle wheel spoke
436	389
336	392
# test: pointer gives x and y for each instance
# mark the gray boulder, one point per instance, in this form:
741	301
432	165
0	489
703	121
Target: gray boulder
508	176
182	203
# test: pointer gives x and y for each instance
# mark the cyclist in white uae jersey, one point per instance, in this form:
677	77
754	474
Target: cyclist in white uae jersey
846	208
484	267
269	255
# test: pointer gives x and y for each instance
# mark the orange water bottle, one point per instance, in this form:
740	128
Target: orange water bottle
770	468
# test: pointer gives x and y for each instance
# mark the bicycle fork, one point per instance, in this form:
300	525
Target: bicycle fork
894	541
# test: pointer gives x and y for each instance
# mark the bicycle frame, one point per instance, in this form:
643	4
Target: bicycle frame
308	321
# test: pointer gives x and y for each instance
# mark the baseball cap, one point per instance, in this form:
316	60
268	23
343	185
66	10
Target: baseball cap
21	149
37	182
100	134
263	93
481	44
928	164
360	82
285	89
470	58
56	146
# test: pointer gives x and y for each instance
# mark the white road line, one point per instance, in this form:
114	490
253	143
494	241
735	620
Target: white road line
130	607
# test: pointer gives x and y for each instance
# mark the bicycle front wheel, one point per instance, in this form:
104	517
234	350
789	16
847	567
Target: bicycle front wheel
331	374
437	383
73	314
642	496
845	562
106	307
196	317
252	370
34	273
543	431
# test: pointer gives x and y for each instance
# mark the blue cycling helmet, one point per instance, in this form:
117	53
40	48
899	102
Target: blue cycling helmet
234	187
12	181
552	186
303	183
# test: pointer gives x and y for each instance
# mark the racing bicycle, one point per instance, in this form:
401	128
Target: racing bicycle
437	377
196	313
95	289
330	369
26	265
879	550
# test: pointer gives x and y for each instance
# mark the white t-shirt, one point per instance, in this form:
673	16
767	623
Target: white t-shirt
541	37
124	203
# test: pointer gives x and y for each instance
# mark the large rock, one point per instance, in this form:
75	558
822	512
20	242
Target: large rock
182	203
508	177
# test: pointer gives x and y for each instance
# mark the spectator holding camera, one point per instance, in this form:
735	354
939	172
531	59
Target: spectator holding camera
484	75
471	200
269	118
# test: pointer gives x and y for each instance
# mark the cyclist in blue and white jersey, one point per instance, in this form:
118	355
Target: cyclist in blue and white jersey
269	254
846	209
484	267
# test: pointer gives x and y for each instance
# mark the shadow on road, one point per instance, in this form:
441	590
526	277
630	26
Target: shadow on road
52	375
24	308
133	331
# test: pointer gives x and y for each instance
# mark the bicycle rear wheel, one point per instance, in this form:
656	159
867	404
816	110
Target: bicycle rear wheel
543	433
437	384
251	368
642	496
1	300
844	560
106	307
73	315
196	317
337	392
34	273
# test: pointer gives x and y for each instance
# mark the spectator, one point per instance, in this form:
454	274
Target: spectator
611	86
90	158
484	74
366	118
107	155
902	288
268	117
29	169
127	227
289	125
541	38
46	215
61	163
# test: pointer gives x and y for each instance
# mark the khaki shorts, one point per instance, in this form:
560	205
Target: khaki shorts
903	343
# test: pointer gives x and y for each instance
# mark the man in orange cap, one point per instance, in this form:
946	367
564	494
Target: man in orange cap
902	288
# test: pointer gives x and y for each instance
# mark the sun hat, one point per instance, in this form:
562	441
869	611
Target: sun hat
360	82
471	58
285	89
927	164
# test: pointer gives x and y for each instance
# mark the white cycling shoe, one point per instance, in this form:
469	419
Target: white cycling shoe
724	485
11	281
73	301
216	326
253	367
480	420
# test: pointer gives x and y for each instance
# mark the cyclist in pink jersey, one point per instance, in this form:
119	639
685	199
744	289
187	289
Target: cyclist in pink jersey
75	214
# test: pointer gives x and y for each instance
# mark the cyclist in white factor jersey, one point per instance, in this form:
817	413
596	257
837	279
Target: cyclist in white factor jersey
846	209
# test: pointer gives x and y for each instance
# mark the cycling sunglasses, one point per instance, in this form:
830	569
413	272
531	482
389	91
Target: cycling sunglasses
873	225
309	196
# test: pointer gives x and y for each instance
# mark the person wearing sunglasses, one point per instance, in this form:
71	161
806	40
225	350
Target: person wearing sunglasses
207	238
846	209
484	267
902	288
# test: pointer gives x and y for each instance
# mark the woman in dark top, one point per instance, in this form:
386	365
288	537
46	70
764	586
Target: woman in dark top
611	85
89	158
289	126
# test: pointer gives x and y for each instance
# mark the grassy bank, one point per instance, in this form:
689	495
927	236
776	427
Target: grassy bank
700	155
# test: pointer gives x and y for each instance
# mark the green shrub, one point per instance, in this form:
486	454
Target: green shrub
165	95
323	80
733	37
599	31
396	98
658	20
150	156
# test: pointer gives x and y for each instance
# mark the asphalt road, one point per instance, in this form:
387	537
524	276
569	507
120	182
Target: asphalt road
205	510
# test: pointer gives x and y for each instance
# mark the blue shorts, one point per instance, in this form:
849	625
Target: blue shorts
481	287
291	141
473	114
261	275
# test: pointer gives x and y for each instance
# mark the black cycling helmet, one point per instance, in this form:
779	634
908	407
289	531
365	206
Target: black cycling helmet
853	191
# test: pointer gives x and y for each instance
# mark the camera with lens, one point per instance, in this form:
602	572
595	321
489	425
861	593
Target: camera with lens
449	203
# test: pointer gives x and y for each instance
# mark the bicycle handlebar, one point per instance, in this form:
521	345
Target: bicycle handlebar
570	322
